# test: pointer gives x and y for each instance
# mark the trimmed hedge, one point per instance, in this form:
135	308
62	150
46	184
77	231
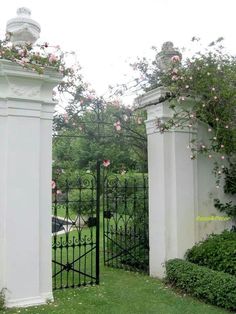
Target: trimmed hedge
217	252
215	287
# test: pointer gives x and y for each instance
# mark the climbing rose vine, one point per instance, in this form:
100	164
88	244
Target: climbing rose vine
200	89
38	58
204	91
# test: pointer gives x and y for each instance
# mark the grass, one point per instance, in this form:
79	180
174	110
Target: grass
121	292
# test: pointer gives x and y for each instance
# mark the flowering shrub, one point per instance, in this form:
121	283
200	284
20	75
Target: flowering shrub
201	88
209	80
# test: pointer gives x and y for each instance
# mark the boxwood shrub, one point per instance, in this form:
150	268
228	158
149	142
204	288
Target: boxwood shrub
217	252
215	287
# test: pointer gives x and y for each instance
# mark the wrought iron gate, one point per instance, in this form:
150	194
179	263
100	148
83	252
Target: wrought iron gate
125	222
75	228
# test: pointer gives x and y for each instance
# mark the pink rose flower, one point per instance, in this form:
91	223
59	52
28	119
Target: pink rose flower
52	58
175	58
117	125
21	52
106	163
65	118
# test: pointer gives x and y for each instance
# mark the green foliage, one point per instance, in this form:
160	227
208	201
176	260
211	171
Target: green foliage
2	299
89	134
212	286
229	188
228	208
217	252
230	179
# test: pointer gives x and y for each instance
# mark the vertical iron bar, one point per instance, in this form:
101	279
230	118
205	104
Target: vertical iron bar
61	262
55	238
98	221
126	212
73	258
79	262
85	259
91	230
116	222
67	233
134	221
103	211
107	226
80	228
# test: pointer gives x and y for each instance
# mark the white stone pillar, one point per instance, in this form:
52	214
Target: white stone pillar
26	112
172	197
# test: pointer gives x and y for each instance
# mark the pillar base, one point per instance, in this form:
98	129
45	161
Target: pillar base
27	302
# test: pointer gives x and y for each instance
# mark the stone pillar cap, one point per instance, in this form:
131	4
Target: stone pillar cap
22	29
163	58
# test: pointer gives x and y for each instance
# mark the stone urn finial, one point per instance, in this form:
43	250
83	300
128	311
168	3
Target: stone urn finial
22	29
23	12
164	58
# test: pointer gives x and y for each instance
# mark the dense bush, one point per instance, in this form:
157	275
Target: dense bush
217	252
214	287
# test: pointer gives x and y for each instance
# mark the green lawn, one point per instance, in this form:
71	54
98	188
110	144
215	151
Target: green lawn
121	292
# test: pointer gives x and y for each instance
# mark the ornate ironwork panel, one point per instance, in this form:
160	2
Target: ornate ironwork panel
125	222
75	229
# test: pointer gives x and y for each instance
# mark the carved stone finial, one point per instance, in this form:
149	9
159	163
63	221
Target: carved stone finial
22	29
23	12
168	46
164	58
